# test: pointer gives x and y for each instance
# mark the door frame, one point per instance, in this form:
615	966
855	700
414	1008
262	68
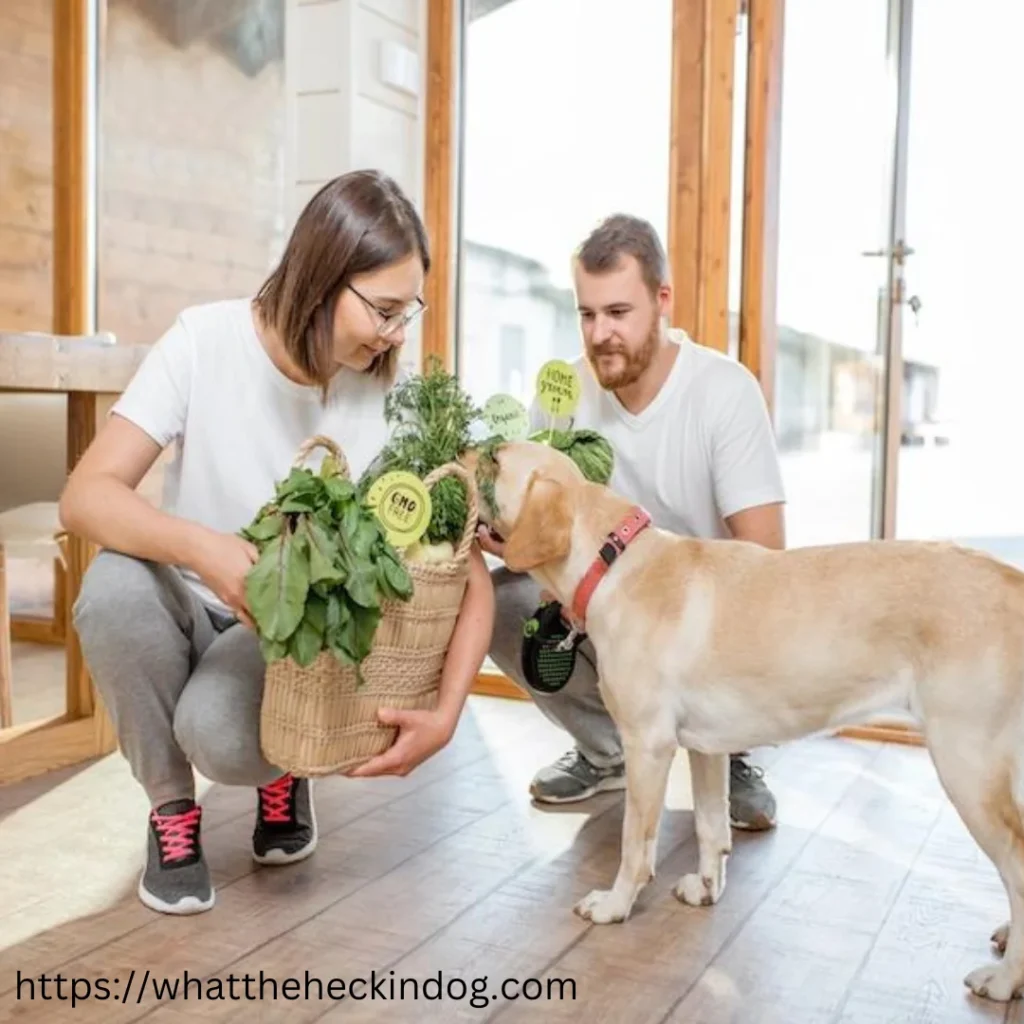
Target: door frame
895	253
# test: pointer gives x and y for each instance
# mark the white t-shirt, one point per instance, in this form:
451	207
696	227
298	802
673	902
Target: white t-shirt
703	450
209	388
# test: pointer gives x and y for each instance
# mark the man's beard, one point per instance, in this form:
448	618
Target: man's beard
633	366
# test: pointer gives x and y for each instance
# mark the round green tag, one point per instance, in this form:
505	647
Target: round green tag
558	388
401	502
507	417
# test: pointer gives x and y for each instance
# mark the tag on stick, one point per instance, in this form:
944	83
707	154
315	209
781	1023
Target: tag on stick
558	388
507	417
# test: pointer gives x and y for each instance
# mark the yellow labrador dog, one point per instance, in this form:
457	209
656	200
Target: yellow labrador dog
719	646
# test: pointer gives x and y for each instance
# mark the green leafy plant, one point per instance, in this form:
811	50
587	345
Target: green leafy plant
324	569
587	448
431	420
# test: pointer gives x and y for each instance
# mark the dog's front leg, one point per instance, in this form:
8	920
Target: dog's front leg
647	768
710	775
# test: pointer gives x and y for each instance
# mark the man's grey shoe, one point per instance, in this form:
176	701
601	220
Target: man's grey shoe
176	879
751	804
572	777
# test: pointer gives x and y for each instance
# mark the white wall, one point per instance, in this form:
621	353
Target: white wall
343	113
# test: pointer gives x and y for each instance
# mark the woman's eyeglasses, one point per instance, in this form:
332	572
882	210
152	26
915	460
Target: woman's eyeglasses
391	322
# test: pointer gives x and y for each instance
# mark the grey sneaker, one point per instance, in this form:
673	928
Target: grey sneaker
176	879
285	829
572	777
751	804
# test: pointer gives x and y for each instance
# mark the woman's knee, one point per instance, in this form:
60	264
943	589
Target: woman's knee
115	588
224	749
217	719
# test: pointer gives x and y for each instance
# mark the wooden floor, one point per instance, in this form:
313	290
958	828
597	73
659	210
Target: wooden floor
868	904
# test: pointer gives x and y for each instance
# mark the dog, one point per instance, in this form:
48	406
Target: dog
724	645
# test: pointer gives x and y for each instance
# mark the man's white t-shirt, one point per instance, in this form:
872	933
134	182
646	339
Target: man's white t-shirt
236	422
702	451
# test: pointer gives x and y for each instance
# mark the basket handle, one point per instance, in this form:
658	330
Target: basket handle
321	441
472	509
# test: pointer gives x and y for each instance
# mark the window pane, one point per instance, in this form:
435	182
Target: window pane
32	430
567	109
192	168
963	343
833	206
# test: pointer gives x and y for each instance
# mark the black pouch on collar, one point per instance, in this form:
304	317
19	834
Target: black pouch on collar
549	649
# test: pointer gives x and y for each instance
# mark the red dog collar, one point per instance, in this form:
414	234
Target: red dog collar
615	543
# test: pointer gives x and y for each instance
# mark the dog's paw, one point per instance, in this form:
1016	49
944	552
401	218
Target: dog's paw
995	982
603	906
697	890
1000	937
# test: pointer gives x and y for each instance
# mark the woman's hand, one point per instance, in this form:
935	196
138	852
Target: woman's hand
421	734
222	561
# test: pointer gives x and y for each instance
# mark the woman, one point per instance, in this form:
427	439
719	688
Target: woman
237	386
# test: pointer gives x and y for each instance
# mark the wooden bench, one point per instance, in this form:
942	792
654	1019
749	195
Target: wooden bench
91	371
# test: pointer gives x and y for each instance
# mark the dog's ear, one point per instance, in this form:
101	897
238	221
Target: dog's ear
542	531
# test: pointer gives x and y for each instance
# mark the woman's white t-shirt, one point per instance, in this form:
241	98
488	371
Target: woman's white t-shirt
236	422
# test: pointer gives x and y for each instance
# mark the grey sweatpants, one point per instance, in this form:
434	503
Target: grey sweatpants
577	707
183	685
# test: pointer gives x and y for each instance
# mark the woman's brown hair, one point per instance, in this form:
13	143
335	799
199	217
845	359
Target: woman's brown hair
355	224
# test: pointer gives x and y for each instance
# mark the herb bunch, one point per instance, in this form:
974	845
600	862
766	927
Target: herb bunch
431	419
324	569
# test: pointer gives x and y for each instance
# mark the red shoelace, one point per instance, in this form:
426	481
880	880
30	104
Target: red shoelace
276	800
177	833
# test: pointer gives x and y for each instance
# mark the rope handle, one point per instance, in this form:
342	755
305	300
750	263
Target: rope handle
321	441
472	507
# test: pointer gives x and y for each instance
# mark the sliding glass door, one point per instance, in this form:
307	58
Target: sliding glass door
840	263
963	353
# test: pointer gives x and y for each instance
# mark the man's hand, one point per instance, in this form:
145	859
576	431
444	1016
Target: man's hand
491	543
421	734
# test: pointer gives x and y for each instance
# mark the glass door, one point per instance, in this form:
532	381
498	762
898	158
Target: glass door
840	263
963	353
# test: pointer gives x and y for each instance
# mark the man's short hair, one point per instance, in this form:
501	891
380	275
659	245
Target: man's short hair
620	235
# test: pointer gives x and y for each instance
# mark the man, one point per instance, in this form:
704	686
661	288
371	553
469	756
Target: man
693	445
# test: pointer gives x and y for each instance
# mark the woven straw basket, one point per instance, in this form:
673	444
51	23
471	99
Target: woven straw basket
314	721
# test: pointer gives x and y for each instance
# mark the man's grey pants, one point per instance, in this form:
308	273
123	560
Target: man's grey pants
182	684
577	707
